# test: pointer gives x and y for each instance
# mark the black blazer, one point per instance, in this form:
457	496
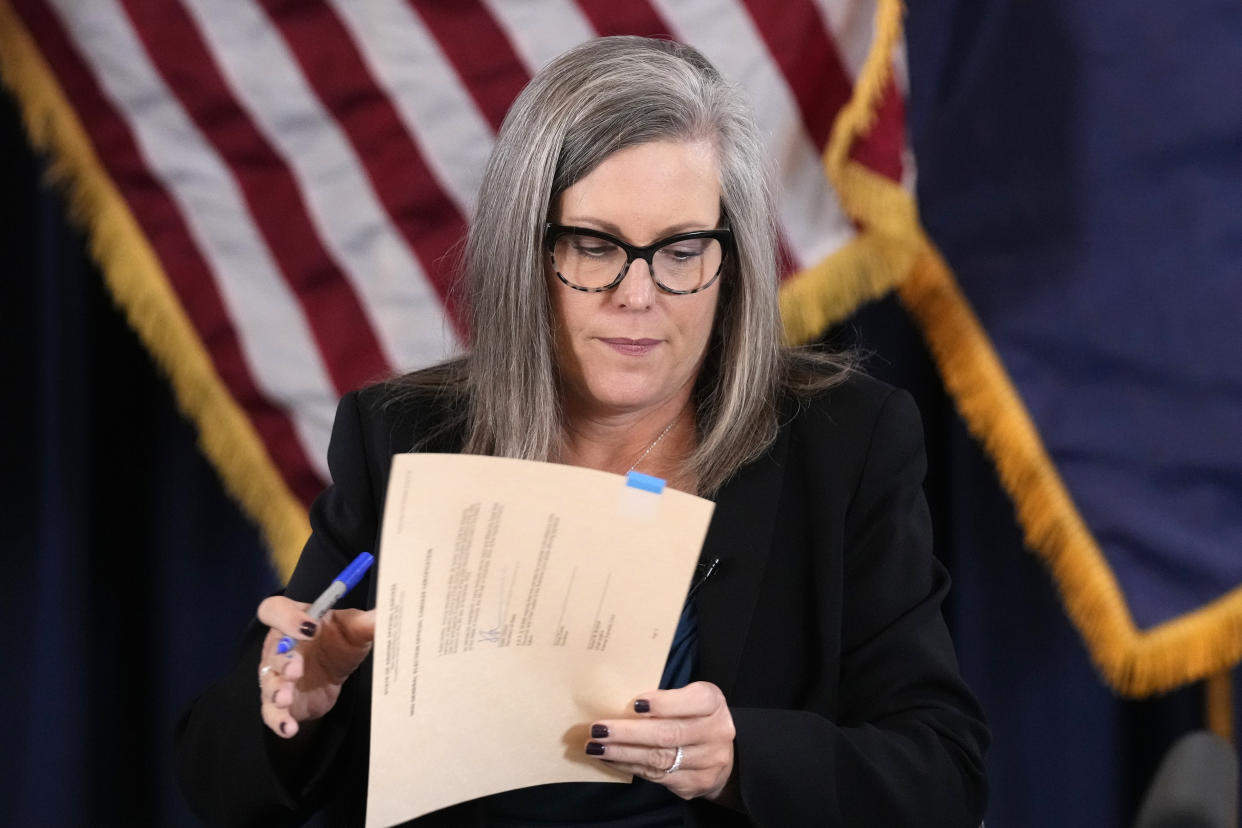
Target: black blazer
821	625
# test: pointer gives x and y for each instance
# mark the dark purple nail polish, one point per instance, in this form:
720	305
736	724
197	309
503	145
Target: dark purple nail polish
308	628
599	731
595	749
283	727
642	706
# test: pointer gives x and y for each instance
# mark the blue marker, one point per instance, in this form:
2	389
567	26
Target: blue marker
344	582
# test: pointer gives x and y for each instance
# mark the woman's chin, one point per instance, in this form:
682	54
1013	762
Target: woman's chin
627	399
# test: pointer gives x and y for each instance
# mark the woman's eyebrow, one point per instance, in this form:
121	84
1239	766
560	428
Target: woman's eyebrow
591	223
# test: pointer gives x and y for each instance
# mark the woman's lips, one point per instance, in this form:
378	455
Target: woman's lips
630	347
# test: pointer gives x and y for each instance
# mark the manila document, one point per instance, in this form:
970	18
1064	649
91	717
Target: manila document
518	602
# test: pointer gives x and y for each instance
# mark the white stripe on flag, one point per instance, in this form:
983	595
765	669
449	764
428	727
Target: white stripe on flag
406	312
272	331
809	212
852	26
429	96
541	29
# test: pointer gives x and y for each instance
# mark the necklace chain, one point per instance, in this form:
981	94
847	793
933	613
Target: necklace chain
654	443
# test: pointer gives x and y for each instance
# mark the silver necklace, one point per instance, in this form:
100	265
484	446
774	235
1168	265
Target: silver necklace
651	447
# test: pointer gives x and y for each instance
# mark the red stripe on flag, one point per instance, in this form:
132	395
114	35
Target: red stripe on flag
634	17
806	53
880	149
277	209
161	220
428	220
480	51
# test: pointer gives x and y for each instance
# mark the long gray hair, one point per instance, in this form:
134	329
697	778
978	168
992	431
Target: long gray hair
600	97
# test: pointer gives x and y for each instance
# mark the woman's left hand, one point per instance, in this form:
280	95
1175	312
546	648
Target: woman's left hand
690	729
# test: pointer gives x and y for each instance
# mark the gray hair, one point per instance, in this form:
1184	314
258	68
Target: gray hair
598	98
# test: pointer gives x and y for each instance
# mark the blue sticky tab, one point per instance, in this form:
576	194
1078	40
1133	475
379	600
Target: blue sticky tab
646	482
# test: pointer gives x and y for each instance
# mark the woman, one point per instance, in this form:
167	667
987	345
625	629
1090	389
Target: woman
622	281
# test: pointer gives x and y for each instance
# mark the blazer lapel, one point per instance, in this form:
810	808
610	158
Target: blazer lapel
740	535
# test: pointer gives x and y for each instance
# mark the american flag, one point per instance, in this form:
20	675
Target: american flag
276	188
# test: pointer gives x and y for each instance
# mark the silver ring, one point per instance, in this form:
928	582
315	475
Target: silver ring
263	671
676	762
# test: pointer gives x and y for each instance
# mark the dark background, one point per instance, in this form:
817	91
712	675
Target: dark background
129	573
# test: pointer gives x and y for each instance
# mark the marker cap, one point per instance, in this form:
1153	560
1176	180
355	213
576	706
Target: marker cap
354	572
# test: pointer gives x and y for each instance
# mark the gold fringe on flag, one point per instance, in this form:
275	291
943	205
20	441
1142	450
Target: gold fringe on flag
882	254
141	290
892	251
1218	704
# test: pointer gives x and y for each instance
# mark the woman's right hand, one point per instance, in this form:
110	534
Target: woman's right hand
304	683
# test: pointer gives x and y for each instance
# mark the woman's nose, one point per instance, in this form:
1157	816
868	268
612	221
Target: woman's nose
638	288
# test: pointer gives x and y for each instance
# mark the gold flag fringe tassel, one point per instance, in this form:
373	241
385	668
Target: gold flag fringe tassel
860	271
859	113
1218	704
140	288
893	251
884	251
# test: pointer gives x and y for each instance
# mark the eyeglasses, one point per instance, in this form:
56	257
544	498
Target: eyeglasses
593	261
